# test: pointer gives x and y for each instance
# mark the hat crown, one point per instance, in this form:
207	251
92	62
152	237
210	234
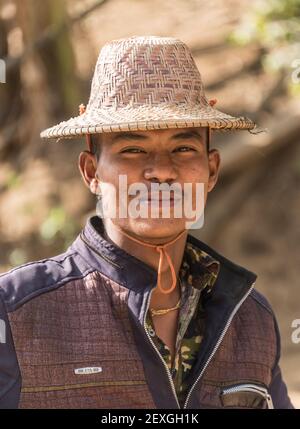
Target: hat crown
145	71
146	83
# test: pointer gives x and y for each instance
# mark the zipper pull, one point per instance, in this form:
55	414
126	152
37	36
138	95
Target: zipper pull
269	401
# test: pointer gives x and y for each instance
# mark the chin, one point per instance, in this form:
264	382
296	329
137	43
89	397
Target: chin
156	228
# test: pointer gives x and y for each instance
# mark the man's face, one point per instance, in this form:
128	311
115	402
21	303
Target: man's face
172	156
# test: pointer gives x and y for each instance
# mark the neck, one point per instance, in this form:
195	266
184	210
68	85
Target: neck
145	250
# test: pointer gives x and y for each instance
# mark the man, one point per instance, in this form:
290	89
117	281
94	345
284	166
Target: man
137	313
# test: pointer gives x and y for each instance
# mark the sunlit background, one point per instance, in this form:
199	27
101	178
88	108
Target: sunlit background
249	56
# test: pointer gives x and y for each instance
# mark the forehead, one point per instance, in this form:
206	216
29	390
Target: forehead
152	134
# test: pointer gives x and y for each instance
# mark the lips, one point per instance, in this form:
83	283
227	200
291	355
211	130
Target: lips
171	198
159	199
160	202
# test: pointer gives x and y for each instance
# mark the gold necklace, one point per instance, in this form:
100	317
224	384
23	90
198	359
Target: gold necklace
165	310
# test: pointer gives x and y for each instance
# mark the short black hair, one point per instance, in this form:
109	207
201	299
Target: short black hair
207	138
96	146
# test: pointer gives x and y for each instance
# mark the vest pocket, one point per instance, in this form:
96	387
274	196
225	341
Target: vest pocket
246	395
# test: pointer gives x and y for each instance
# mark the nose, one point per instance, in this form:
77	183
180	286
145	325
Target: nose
161	169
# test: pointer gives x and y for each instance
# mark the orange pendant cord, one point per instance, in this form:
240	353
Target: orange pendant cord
82	109
162	251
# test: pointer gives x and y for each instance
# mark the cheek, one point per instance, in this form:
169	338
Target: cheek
116	163
196	172
108	178
111	176
109	169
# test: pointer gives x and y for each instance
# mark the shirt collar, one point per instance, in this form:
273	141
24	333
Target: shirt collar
198	268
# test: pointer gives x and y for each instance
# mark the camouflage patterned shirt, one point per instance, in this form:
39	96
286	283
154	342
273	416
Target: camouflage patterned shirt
191	316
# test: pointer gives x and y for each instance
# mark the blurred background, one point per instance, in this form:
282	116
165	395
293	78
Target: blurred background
249	56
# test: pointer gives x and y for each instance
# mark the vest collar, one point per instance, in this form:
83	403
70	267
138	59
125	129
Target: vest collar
125	269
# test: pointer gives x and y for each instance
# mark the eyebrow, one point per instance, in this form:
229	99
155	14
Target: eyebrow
142	137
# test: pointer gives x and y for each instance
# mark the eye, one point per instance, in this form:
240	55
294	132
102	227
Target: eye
184	149
132	150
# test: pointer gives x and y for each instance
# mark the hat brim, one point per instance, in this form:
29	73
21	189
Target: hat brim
144	118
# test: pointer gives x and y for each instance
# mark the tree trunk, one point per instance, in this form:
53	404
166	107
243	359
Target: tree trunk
56	56
10	98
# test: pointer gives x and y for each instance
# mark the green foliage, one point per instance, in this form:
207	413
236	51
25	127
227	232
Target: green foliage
17	257
58	224
274	24
13	180
280	9
270	22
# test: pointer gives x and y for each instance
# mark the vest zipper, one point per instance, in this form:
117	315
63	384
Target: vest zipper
160	356
218	342
248	387
153	345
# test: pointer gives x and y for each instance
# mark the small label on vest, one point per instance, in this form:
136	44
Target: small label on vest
88	370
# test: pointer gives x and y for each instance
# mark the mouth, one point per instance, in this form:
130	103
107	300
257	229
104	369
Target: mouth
160	201
160	198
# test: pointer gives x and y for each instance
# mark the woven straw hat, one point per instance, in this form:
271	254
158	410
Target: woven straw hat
145	83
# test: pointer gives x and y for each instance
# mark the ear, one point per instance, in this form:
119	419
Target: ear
214	161
88	167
